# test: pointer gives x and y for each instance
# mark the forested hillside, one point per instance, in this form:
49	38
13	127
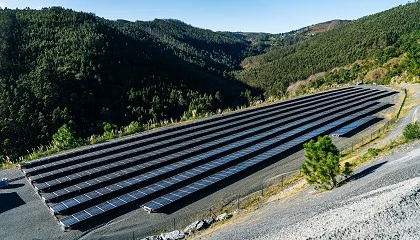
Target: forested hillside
266	42
276	69
60	67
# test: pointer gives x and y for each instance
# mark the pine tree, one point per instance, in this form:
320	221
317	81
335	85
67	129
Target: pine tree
322	163
64	138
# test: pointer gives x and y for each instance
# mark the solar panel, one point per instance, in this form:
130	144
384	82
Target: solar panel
169	198
176	195
73	202
209	151
350	127
106	146
80	175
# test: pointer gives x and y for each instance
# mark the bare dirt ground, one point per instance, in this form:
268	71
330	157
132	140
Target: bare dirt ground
25	217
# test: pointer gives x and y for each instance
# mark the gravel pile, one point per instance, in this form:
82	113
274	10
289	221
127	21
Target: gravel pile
390	212
381	202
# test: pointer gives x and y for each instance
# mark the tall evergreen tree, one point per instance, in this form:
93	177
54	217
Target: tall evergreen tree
322	163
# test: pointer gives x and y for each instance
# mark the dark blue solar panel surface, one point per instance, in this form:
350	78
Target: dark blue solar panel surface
225	173
348	128
161	165
138	179
114	175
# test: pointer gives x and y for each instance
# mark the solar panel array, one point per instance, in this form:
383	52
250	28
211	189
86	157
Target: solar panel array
157	168
352	126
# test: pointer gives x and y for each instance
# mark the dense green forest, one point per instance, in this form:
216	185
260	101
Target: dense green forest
60	68
360	39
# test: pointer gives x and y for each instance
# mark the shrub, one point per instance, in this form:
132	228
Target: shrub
373	152
108	131
412	131
348	170
135	127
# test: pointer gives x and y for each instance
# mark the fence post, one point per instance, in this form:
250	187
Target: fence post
174	225
237	201
282	182
133	236
262	189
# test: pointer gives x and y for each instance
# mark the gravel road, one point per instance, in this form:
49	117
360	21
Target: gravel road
381	202
414	91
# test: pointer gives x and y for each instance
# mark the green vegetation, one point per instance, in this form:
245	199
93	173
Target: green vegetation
64	138
373	152
60	67
348	170
412	131
322	163
70	72
394	64
366	38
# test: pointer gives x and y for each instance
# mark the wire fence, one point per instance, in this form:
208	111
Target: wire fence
248	198
375	134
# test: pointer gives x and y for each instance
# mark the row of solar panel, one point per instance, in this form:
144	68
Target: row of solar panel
352	126
133	160
114	157
70	203
182	177
134	145
175	128
178	194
